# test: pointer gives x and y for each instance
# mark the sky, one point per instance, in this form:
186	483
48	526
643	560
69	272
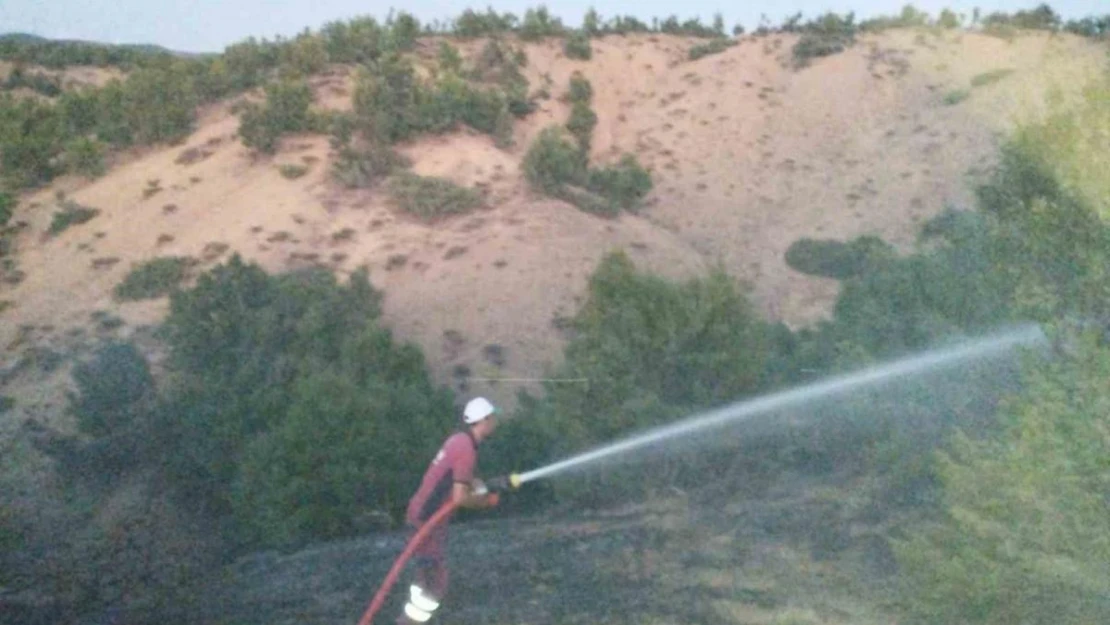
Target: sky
210	25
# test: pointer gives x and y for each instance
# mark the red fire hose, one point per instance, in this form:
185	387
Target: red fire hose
390	579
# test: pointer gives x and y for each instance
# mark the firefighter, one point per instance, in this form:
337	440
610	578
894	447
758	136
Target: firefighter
450	476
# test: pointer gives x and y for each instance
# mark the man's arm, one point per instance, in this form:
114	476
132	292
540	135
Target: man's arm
465	497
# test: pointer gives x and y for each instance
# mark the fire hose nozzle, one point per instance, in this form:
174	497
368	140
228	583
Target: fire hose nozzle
504	483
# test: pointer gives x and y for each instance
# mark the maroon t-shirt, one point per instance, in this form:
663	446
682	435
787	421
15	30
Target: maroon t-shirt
454	463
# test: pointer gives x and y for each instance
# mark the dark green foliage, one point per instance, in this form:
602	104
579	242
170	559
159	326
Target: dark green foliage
113	390
430	197
1023	536
153	278
591	23
835	259
294	407
471	24
690	28
8	202
159	104
403	31
387	100
60	54
948	19
285	111
552	162
360	40
449	58
824	36
37	82
80	111
306	55
85	156
716	46
623	184
71	213
651	350
991	77
364	167
1091	26
539	23
1043	17
30	137
580	89
910	17
581	124
577	46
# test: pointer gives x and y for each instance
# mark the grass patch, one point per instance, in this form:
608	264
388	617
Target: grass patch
956	96
715	46
431	197
152	279
291	171
989	78
71	214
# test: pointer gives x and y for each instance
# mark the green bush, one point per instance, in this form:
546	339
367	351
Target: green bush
948	19
827	35
471	24
624	184
652	350
159	104
836	259
430	197
956	96
715	46
70	213
37	82
85	156
580	89
991	77
581	124
539	23
387	101
552	162
364	167
294	408
6	405
113	390
1040	18
31	135
292	171
577	46
8	202
286	110
153	278
1025	536
449	58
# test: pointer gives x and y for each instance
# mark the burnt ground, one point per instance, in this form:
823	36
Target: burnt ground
803	551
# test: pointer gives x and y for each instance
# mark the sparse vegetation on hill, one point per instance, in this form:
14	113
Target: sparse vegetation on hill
286	110
824	36
716	46
37	81
430	197
577	46
69	214
154	278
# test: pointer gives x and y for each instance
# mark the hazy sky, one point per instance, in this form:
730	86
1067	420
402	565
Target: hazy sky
209	25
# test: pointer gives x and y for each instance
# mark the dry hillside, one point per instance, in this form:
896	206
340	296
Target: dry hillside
747	154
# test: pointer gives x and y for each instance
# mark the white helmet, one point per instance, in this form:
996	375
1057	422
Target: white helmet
477	409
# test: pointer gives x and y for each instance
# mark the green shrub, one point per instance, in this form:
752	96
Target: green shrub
31	136
827	35
836	259
297	410
580	89
715	46
71	214
8	202
153	278
387	101
85	156
1024	536
539	23
471	24
364	167
552	161
112	390
991	77
449	58
956	96
292	171
286	110
577	46
1043	17
40	83
6	404
624	184
581	124
948	19
430	197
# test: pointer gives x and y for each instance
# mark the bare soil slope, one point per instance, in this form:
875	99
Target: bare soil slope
748	155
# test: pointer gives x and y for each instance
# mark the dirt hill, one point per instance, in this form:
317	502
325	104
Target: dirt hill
747	153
